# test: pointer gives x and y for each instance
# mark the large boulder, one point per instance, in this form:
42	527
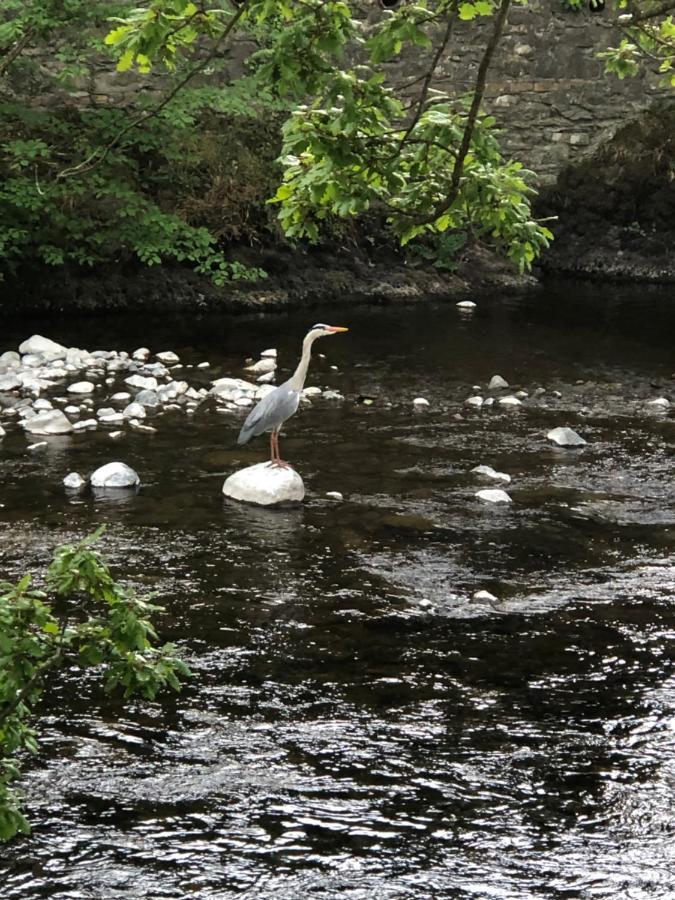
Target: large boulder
39	344
114	475
52	421
265	485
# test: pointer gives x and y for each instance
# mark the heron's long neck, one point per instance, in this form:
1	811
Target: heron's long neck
297	382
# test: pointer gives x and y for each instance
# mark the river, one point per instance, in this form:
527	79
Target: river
358	726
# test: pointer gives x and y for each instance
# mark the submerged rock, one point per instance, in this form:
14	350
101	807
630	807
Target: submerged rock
265	485
491	474
53	421
115	475
565	437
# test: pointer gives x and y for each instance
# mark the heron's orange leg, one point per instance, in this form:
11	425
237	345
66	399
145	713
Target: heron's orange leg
276	459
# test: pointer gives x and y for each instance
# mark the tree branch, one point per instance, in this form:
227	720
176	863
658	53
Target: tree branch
97	156
16	50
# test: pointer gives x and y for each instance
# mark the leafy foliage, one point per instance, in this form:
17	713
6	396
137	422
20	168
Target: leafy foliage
649	41
83	619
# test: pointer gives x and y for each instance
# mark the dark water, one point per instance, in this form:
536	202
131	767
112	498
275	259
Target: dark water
358	726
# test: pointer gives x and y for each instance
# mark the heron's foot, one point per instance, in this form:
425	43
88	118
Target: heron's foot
280	464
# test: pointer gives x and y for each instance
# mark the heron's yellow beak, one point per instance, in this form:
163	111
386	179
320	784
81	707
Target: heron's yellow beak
334	329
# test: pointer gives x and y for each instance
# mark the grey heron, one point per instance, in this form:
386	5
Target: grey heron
280	404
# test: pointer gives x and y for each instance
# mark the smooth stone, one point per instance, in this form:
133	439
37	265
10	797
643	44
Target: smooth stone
659	403
556	394
203	365
565	437
420	402
142	353
74	481
115	475
53	421
168	356
85	424
142	382
105	411
116	435
263	365
521	395
271	353
134	411
491	474
509	401
497	383
489	401
81	387
475	402
147	398
312	391
466	304
493	495
39	344
334	495
265	485
265	378
121	397
135	425
39	446
114	418
332	395
42	404
10	383
2	432
232	388
10	358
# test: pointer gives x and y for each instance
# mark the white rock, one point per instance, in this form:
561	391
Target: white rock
312	391
334	495
2	432
42	404
39	446
141	354
147	398
243	401
121	397
232	388
114	418
484	597
491	474
493	495
135	425
134	411
116	435
74	481
115	475
10	383
39	344
659	403
509	401
81	387
85	425
168	356
265	485
489	401
53	421
147	383
474	402
271	353
466	304
265	378
565	437
10	358
332	395
420	403
263	365
203	365
264	390
105	411
497	383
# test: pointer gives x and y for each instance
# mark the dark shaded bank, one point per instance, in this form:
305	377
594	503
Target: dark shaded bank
295	278
616	211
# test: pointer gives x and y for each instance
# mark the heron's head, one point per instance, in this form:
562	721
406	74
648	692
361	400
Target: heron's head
321	330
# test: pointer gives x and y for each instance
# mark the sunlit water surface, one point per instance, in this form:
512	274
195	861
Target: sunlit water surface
357	725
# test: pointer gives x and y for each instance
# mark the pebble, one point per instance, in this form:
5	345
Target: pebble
265	378
521	395
148	383
42	403
112	419
269	354
263	365
332	395
659	403
334	495
420	402
74	481
312	391
475	402
2	432
466	304
81	387
134	411
141	354
85	424
121	396
509	401
497	383
203	365
72	410
484	597
565	437
168	356
135	425
493	495
116	435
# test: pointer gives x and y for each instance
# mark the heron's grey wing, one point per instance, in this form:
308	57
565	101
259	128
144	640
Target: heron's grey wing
271	412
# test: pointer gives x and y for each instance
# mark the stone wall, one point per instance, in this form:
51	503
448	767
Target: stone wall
546	86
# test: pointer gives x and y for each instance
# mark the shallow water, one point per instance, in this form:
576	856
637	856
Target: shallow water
358	726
